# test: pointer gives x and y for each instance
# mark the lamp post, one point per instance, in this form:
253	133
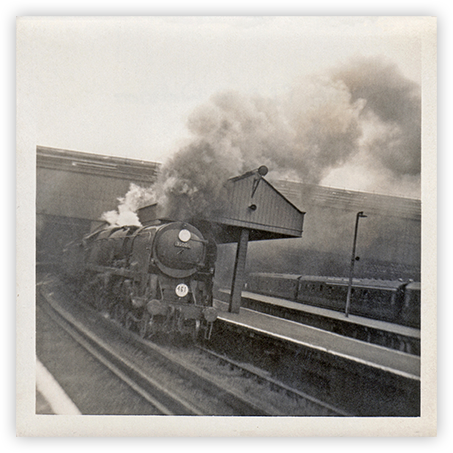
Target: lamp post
353	260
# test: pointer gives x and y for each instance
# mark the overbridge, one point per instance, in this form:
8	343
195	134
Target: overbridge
74	189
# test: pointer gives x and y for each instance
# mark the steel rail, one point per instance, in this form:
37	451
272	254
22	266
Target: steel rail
167	402
277	384
240	403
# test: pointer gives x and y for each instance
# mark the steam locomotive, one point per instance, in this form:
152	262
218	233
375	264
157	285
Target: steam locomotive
152	279
391	301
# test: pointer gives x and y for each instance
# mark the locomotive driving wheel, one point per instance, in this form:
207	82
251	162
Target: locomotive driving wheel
123	301
129	320
143	324
119	312
139	325
153	327
98	295
196	330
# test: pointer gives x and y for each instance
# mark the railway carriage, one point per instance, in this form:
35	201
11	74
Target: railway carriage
411	307
385	300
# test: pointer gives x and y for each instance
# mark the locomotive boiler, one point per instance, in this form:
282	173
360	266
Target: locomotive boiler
156	278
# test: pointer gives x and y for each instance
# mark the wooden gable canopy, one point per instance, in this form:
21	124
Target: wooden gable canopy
253	203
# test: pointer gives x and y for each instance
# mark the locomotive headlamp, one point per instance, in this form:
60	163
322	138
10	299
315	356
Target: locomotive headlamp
184	235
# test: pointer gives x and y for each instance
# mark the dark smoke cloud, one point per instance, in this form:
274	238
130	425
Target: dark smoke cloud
326	125
393	107
365	108
301	137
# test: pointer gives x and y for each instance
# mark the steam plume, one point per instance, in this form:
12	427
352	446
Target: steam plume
366	111
128	205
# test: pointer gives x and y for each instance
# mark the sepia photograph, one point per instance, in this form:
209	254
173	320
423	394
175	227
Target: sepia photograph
233	220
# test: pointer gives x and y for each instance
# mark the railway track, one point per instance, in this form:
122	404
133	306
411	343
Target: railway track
170	381
165	401
314	403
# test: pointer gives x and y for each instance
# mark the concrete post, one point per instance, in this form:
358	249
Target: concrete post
239	272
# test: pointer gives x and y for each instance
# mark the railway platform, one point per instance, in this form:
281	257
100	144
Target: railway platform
374	356
389	335
352	369
50	397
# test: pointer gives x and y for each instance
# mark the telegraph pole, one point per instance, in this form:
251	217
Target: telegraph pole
353	260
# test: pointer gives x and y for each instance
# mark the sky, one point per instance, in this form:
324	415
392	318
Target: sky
129	87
